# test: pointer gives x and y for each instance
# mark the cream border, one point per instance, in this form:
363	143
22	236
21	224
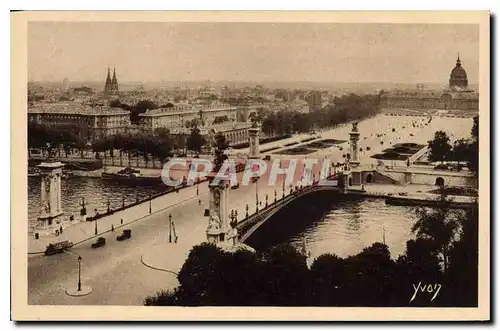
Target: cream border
22	311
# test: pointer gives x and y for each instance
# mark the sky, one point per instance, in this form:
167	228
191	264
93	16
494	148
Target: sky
287	52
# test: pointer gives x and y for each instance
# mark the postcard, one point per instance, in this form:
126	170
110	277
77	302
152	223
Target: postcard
257	166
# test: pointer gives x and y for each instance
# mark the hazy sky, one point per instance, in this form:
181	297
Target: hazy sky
251	51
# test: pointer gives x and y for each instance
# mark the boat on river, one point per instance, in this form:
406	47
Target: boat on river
130	175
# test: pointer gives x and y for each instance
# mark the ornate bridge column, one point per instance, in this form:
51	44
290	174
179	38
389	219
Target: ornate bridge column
218	224
51	211
354	138
253	134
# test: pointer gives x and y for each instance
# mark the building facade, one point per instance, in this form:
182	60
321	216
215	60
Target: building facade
183	115
93	122
458	95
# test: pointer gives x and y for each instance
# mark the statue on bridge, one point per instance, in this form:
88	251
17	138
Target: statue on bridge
355	126
214	224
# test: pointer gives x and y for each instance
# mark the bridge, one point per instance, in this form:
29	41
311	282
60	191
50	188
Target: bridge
248	225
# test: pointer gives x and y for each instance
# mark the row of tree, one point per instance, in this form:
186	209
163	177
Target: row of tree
160	144
51	139
462	150
344	109
444	254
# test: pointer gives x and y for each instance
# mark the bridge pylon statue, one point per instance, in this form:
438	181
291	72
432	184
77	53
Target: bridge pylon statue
218	223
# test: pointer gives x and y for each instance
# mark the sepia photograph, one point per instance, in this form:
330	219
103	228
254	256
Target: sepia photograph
169	164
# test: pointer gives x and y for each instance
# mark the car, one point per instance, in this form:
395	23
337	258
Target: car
235	186
127	234
57	247
255	179
99	242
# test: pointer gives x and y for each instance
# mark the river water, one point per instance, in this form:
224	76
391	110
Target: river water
95	191
332	223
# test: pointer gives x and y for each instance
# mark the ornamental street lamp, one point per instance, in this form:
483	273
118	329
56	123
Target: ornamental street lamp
150	201
123	202
136	196
79	273
170	228
197	187
266	200
95	223
83	211
274	195
283	188
246	209
257	196
108	203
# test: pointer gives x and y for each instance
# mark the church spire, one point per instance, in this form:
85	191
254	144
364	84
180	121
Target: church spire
108	77
114	74
458	60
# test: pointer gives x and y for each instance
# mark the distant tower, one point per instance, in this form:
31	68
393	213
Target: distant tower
107	85
114	83
111	85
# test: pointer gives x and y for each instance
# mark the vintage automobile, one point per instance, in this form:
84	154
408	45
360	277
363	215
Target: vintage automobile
99	242
125	235
58	247
235	186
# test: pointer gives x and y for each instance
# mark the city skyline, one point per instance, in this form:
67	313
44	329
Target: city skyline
258	52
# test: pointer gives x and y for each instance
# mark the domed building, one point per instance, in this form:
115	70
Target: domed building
457	97
458	77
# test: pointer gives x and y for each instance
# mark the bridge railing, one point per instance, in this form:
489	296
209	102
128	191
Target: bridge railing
251	220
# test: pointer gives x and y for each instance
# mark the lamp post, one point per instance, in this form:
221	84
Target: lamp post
266	200
95	230
123	202
170	228
108	203
275	195
79	273
150	201
83	211
246	209
257	196
283	187
136	196
197	186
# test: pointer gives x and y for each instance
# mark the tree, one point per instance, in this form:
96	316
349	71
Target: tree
439	225
460	150
195	141
439	147
464	261
475	128
220	144
140	108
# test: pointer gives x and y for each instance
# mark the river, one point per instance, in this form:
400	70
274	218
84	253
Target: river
95	191
331	223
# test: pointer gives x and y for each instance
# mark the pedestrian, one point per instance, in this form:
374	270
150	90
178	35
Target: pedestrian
121	221
175	240
112	228
199	202
60	229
